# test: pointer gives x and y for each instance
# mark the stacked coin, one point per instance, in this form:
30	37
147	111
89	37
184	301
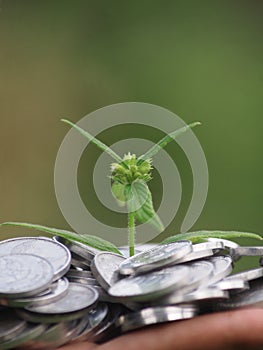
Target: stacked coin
55	291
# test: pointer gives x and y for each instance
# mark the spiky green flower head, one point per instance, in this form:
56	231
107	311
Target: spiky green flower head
131	169
127	172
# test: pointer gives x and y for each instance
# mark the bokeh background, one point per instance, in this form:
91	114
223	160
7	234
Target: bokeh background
203	60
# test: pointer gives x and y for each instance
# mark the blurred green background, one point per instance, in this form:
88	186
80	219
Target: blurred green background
200	59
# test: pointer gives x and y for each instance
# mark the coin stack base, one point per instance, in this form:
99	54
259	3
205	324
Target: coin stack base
55	291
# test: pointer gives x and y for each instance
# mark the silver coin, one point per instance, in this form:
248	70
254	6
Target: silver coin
152	284
79	262
232	284
104	296
34	317
203	294
80	258
222	267
108	329
82	280
247	275
135	306
105	266
206	294
57	254
248	251
159	256
125	250
81	249
78	297
154	315
24	338
46	291
252	297
200	274
23	275
94	320
230	246
55	336
58	290
79	274
201	250
227	243
10	325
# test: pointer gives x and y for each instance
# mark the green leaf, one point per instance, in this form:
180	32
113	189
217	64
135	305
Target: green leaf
200	236
139	201
118	191
93	139
90	240
164	141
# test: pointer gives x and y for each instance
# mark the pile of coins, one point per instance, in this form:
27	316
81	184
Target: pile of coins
54	291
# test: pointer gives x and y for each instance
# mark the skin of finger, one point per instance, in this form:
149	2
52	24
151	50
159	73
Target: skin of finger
240	329
80	346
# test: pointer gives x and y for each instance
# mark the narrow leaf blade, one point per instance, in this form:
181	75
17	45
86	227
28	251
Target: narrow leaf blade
199	236
165	141
93	139
90	240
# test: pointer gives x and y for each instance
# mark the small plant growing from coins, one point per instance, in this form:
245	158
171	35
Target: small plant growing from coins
129	178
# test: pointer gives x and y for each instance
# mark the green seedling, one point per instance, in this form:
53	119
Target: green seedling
129	184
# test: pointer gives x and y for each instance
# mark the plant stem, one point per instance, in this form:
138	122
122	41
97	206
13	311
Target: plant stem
131	226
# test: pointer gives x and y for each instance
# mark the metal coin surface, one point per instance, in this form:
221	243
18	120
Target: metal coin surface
202	250
108	329
222	267
159	284
203	294
159	256
195	254
34	317
248	251
230	246
200	273
227	243
79	274
138	249
24	275
82	280
95	319
58	290
247	275
57	254
105	267
252	297
125	251
154	315
79	248
77	298
152	284
80	258
24	338
104	296
232	284
80	262
55	335
146	246
10	325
